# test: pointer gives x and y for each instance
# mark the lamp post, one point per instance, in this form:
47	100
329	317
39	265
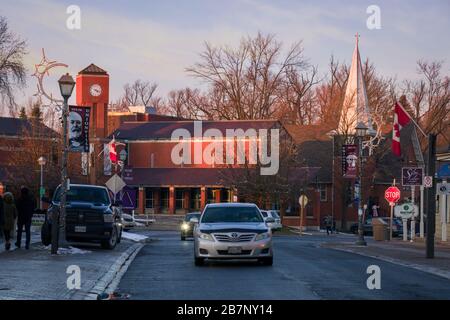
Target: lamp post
361	131
66	85
42	161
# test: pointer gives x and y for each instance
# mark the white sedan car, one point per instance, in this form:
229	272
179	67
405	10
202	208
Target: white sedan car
275	226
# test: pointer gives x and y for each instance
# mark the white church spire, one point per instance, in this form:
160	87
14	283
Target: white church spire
355	108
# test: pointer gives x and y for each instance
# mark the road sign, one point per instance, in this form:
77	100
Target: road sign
392	195
406	211
428	181
412	176
42	191
115	184
443	189
303	200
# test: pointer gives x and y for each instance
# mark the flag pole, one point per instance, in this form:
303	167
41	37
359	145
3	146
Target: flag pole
400	105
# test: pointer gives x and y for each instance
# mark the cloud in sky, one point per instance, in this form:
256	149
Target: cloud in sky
157	40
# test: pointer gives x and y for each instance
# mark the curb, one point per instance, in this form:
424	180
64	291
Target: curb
426	269
115	272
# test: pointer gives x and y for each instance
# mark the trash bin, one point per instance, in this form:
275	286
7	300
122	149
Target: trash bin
379	229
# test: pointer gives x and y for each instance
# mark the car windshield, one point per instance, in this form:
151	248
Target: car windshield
84	194
231	214
275	215
191	215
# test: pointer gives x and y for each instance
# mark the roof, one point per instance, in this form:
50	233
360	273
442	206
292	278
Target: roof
93	69
231	204
301	133
199	176
15	127
163	129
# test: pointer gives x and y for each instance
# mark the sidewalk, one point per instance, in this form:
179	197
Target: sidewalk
409	254
36	274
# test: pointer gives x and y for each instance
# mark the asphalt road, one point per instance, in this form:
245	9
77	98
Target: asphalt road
164	269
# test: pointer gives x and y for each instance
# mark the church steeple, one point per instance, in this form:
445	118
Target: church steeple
355	108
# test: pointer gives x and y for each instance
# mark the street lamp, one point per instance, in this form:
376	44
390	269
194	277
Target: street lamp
361	132
66	85
42	161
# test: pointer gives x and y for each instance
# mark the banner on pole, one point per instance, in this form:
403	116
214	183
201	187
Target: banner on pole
349	160
412	176
78	128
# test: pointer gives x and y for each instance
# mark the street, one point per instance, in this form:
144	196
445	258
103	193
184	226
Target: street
164	269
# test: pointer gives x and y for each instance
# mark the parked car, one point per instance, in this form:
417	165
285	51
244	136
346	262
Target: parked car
187	226
91	216
232	231
275	226
128	221
397	226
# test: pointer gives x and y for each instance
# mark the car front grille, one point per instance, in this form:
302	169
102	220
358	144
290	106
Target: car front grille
84	217
226	253
234	237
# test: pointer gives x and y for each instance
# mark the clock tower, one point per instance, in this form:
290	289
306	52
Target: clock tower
93	91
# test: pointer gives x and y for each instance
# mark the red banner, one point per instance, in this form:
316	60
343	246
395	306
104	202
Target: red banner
349	160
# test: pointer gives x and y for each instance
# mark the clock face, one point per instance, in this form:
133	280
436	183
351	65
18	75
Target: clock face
95	90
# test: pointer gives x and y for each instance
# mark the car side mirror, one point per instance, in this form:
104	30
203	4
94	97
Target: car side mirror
270	220
193	220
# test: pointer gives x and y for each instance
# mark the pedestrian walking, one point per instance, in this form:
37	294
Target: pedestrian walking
10	214
2	217
328	224
25	207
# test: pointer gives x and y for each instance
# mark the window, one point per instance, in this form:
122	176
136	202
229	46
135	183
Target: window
164	198
323	192
149	202
211	195
179	198
225	195
195	198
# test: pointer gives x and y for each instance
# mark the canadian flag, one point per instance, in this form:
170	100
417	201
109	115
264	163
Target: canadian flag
112	151
401	119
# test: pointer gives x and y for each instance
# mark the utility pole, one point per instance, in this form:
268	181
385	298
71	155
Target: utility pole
430	199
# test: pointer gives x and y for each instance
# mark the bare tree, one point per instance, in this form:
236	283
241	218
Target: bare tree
429	98
139	93
246	82
12	69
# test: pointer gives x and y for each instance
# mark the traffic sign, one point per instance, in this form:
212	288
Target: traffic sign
443	188
115	184
303	200
392	195
406	211
428	181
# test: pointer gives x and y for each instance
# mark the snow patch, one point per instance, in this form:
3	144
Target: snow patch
133	236
72	250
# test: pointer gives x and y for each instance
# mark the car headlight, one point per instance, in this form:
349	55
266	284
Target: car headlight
205	236
185	226
262	236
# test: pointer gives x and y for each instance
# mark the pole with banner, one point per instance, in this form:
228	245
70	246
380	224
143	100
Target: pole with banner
303	201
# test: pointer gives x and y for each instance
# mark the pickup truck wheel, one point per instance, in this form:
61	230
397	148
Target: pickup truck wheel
111	243
199	261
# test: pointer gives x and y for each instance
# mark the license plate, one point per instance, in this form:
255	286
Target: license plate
234	250
80	228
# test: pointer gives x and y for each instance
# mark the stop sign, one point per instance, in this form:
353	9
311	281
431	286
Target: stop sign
392	195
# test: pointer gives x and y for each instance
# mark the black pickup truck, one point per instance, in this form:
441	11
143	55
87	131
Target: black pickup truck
91	216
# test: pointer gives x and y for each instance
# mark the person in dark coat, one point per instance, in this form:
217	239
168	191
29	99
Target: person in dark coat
25	206
10	215
2	217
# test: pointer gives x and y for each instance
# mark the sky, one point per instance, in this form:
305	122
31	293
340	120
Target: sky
156	40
